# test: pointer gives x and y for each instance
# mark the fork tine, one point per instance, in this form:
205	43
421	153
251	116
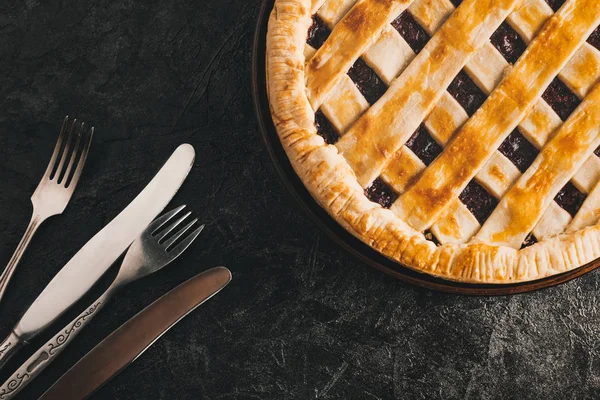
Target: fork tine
178	234
160	221
65	178
174	225
63	158
180	248
82	158
59	142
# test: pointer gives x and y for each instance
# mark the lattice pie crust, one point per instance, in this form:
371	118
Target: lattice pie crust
459	139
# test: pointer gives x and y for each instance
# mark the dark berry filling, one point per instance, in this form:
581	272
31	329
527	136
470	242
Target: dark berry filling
570	199
518	150
423	145
561	99
594	38
430	236
467	93
478	201
317	33
508	42
325	129
380	192
555	4
367	81
530	240
411	31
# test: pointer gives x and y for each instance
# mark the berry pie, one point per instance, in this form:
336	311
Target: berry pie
458	138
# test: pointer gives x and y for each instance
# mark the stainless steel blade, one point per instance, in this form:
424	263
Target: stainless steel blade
128	342
97	255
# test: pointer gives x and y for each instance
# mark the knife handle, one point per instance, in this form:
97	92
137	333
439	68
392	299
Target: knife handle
50	350
9	346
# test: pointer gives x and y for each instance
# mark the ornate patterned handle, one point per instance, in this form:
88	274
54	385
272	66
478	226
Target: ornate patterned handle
8	347
49	351
16	257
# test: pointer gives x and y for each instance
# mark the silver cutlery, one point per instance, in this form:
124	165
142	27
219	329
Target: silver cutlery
56	187
126	344
100	252
153	250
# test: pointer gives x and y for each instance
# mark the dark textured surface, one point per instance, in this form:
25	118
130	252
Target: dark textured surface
301	318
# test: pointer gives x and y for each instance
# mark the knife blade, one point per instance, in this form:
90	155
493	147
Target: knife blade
100	252
126	344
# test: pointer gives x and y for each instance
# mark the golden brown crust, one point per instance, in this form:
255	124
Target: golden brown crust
334	185
349	39
479	138
390	122
524	204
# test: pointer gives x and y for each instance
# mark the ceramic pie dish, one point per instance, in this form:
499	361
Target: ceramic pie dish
458	140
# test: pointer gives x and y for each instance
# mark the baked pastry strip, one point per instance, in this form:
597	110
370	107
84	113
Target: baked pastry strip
459	225
486	69
580	74
378	55
386	126
488	66
441	183
350	38
345	104
316	4
589	213
499	173
332	11
527	20
523	205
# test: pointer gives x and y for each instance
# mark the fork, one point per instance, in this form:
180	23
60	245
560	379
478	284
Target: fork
56	187
153	250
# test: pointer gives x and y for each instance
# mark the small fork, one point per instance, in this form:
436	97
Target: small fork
155	248
56	187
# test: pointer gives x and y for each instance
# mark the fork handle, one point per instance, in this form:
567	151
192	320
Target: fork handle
8	272
51	349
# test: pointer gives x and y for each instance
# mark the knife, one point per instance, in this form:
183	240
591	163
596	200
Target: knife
127	343
100	252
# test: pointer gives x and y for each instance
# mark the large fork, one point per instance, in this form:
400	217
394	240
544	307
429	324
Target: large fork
56	187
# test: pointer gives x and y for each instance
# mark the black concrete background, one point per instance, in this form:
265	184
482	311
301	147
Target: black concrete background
301	319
